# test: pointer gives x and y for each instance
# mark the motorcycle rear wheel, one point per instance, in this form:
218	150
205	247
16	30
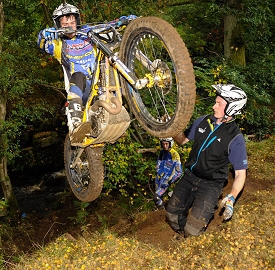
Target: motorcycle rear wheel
152	48
87	177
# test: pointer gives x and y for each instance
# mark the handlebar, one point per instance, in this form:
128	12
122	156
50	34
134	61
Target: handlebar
115	25
100	34
95	37
105	32
67	30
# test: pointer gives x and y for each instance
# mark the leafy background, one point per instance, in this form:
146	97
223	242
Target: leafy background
31	84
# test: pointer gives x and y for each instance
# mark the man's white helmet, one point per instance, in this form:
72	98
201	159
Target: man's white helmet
233	95
65	10
170	140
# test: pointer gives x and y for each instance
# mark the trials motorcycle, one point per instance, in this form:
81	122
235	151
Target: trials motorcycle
146	61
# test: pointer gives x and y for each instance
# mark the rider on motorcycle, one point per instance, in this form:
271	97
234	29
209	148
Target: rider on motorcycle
77	57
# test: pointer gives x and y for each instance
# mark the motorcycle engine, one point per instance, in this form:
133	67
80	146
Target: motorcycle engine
99	121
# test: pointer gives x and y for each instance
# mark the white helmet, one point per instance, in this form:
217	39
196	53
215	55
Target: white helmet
233	95
65	10
170	140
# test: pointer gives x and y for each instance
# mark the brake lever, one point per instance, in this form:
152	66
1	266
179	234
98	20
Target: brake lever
66	30
69	30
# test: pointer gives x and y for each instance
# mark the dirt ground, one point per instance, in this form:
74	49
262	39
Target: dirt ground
46	216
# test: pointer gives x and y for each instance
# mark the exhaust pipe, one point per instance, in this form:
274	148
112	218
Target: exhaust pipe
108	106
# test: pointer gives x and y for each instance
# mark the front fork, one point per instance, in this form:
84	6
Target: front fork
130	76
122	68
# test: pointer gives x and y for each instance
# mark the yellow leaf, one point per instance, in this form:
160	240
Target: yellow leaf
44	64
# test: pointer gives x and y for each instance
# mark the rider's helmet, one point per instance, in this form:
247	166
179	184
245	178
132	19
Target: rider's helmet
170	140
233	95
65	10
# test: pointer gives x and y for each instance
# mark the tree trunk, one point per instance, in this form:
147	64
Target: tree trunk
4	178
1	21
229	24
10	199
234	49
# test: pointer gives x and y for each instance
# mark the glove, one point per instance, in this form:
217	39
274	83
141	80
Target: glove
48	35
158	202
123	20
131	17
228	202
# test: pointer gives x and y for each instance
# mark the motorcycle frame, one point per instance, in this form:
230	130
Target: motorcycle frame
114	63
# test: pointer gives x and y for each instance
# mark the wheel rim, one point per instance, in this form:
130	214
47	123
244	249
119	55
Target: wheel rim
80	174
158	100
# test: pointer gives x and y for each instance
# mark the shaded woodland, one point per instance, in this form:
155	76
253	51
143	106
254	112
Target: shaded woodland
229	42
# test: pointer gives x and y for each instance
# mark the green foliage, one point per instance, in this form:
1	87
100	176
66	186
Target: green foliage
127	169
30	81
199	24
137	202
3	207
256	114
255	117
132	174
103	220
205	77
21	77
81	213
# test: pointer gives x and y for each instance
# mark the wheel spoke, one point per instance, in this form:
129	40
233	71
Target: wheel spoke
161	99
87	175
80	170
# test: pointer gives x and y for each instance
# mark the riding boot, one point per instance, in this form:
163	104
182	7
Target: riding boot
78	130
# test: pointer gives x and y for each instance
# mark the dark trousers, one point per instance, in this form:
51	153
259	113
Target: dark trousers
201	196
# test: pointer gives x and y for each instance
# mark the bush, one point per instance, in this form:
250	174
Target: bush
132	174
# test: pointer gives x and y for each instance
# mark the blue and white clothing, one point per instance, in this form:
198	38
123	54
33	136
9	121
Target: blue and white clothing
75	55
168	169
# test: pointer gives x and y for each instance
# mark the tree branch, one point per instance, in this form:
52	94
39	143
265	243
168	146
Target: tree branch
182	3
57	89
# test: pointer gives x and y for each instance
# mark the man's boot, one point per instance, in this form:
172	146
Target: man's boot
77	129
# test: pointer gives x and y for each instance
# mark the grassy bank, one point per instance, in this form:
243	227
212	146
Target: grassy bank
245	242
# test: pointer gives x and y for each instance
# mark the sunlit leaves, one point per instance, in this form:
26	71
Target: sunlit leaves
246	242
125	167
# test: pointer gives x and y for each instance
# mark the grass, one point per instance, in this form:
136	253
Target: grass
245	242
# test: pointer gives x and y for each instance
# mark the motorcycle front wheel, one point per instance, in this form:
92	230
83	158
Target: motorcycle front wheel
84	170
152	49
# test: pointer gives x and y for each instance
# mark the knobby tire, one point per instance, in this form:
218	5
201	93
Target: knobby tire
165	109
86	180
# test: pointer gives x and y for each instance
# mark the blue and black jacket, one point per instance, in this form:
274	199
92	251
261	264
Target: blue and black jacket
215	147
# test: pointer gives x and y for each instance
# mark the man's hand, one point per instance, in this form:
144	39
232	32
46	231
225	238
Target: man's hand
228	202
49	34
